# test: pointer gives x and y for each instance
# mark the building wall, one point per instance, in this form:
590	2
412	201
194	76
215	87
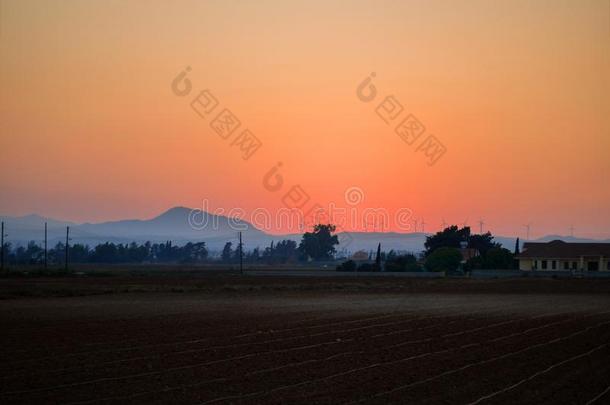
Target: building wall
581	264
525	264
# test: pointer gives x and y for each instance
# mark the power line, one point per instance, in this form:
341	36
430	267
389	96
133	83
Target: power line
67	244
241	256
45	246
2	245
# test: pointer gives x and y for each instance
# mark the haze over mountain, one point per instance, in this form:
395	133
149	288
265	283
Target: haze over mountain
215	230
172	224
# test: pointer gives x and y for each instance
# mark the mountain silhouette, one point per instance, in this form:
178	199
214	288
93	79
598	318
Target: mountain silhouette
182	225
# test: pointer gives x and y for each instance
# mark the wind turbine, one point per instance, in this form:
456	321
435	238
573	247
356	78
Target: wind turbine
423	225
444	224
527	230
465	223
481	223
571	228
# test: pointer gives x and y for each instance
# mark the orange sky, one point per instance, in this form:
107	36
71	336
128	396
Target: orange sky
517	91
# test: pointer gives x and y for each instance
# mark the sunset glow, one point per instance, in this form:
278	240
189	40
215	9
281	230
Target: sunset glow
517	92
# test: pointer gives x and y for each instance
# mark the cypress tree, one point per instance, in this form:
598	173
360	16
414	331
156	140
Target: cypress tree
378	257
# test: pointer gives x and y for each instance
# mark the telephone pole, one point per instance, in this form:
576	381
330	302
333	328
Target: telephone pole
45	246
241	256
67	244
2	244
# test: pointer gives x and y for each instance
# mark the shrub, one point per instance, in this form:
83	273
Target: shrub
499	258
349	265
369	267
444	259
406	262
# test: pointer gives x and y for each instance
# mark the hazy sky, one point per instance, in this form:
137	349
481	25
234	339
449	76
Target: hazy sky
517	92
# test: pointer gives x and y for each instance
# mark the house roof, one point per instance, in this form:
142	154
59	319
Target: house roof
360	256
560	249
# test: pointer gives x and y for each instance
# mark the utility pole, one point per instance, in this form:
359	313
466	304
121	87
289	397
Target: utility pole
481	223
2	244
527	230
241	256
67	244
45	246
423	225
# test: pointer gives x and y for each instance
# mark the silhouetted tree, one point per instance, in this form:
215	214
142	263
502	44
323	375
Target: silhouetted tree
193	253
449	237
453	237
499	258
227	253
444	259
282	252
349	265
79	253
110	253
319	244
253	256
378	258
482	243
236	252
406	262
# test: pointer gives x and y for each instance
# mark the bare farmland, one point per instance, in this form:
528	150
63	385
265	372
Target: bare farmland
433	342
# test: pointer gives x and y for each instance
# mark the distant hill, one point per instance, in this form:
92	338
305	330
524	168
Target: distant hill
172	225
572	239
178	223
215	230
20	230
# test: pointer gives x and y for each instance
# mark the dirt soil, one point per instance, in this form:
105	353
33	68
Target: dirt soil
201	339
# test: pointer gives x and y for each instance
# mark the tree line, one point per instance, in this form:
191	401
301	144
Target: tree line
444	252
108	252
319	244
